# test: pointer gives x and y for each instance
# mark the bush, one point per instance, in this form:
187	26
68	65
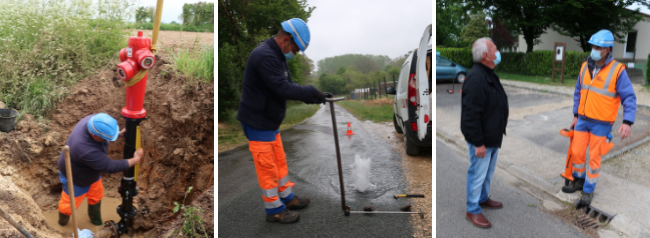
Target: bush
47	46
462	56
535	63
648	68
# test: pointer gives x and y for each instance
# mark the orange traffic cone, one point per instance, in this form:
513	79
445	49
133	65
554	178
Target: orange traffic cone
349	130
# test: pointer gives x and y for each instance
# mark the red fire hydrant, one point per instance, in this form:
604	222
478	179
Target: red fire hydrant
136	59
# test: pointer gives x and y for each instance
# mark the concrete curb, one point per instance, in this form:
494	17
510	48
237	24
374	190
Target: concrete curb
626	148
618	222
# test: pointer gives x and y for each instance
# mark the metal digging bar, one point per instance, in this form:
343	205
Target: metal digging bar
346	209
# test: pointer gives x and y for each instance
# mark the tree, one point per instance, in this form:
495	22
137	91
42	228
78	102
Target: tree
530	18
451	16
365	64
340	71
582	18
195	14
501	35
477	28
332	83
144	14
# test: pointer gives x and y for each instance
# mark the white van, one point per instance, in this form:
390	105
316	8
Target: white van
413	104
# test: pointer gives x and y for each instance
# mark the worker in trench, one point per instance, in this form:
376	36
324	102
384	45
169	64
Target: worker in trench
603	85
266	87
88	144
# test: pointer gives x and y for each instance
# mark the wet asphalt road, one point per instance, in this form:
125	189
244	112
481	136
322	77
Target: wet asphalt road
519	217
311	158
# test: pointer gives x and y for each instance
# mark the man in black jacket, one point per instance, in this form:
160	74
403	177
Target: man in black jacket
484	117
266	88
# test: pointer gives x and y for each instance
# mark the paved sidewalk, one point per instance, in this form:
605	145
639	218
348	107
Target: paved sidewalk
534	152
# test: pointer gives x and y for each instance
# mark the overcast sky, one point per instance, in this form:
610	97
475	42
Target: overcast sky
171	9
381	27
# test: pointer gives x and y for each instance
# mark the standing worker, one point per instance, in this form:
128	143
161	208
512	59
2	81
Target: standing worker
483	121
595	107
88	159
266	88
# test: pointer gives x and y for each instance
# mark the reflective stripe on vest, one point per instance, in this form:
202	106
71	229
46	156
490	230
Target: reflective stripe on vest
600	102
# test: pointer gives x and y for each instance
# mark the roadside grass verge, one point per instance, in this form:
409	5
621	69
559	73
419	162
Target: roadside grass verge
231	135
196	65
47	46
377	110
547	80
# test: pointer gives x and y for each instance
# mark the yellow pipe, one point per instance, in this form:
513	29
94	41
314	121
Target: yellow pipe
156	26
137	146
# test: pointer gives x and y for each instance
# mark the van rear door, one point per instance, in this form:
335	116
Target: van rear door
421	77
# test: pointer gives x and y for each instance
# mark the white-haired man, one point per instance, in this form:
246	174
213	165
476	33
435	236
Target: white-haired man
484	117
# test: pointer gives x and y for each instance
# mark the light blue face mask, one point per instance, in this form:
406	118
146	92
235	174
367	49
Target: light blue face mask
498	59
595	54
290	55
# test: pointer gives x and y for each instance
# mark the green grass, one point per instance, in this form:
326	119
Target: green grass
568	81
175	27
374	110
196	65
231	135
47	46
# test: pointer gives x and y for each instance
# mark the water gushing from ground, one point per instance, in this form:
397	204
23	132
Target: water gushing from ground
361	173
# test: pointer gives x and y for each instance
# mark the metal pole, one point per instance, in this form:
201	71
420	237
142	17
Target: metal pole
385	87
338	151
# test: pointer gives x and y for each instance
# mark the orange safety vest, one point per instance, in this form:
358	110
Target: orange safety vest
598	97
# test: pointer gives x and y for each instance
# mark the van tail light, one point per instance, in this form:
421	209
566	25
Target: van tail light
412	92
414	126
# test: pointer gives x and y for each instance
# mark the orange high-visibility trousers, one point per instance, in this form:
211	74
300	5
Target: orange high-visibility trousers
592	135
272	174
94	195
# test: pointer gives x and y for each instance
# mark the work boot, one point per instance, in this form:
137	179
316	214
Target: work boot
95	214
585	200
63	219
285	216
574	185
297	203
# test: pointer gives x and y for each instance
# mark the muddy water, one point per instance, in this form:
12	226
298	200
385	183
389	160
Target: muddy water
109	208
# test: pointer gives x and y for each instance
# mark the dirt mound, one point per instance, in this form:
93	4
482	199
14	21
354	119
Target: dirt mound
178	139
204	202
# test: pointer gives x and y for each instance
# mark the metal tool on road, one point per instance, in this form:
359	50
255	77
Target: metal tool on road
421	213
408	196
345	208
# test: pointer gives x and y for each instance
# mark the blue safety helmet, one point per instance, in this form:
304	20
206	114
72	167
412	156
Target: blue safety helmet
602	38
104	126
299	30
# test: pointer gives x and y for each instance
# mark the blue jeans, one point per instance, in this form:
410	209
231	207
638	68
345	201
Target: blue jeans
479	175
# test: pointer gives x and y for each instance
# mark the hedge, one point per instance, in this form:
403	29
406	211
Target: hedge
648	68
534	63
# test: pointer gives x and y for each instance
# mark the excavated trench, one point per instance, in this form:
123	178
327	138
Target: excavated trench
177	136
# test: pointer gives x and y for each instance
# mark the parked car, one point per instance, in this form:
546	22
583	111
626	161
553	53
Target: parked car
449	70
412	107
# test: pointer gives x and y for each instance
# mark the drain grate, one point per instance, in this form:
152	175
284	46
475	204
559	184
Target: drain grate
591	217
